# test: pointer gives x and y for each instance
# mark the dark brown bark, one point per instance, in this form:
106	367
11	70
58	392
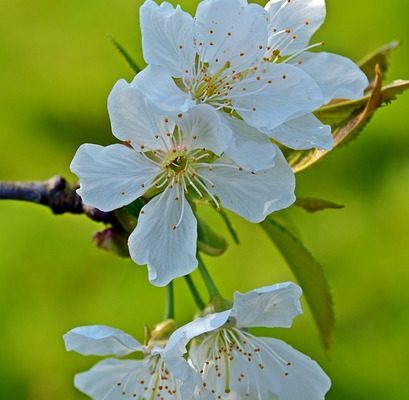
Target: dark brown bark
55	193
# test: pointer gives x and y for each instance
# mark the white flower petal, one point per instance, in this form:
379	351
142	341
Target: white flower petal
167	37
169	252
291	374
176	346
100	340
192	387
270	306
250	148
304	132
337	76
252	195
228	362
230	31
105	380
301	19
202	127
274	93
114	379
162	92
112	176
224	359
236	365
133	119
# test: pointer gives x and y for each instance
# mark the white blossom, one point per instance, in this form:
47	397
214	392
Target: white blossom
218	59
252	62
291	26
169	159
125	379
235	364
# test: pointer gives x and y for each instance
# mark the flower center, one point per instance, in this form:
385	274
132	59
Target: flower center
180	167
177	161
222	88
231	361
210	88
151	380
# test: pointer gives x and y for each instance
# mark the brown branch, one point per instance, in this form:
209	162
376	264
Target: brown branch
55	193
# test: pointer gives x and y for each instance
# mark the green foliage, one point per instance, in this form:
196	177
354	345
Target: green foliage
128	58
309	275
313	205
347	118
336	113
379	57
209	242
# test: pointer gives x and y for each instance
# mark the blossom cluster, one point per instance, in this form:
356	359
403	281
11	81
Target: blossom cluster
206	121
198	120
214	357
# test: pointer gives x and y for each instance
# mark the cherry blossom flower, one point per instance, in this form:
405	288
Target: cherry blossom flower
291	26
235	364
218	59
248	61
125	379
170	159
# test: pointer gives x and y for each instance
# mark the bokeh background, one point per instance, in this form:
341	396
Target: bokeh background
57	66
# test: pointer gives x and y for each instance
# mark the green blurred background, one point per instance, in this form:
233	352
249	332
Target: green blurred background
57	67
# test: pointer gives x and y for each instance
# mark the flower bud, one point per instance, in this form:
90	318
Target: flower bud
114	240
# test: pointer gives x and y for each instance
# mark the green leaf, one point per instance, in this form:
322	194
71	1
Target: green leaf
339	110
209	242
348	117
131	62
336	113
377	57
313	205
393	90
361	112
309	275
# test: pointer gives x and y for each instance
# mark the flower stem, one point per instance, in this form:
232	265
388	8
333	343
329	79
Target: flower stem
229	226
195	293
211	287
170	302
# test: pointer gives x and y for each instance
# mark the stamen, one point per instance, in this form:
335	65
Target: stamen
217	165
194	186
295	55
164	176
233	108
246	93
161	176
281	42
184	186
142	153
202	156
210	166
207	191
